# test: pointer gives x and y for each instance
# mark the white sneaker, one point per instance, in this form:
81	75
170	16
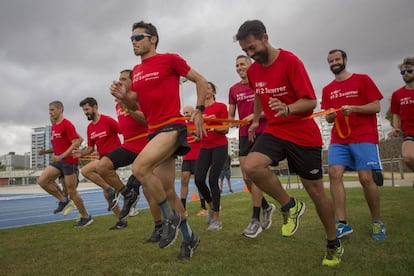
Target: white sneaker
133	212
215	225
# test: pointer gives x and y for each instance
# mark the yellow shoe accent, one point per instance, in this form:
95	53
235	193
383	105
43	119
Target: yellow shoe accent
333	256
291	218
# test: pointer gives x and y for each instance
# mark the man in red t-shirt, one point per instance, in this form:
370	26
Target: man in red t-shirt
354	139
133	128
402	109
285	94
102	133
65	140
241	98
155	85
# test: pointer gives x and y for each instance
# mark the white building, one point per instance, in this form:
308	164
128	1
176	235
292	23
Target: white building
40	140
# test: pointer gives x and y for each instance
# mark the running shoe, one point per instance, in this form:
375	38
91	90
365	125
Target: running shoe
202	213
133	212
378	230
112	199
155	236
215	225
129	202
83	222
253	229
169	231
343	229
119	225
333	256
188	247
267	216
291	218
61	206
68	209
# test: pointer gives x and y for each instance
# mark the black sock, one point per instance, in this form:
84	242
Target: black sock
289	205
265	204
343	221
184	201
256	213
333	244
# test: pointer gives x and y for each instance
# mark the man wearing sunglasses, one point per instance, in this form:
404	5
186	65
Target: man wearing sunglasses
402	109
354	139
155	85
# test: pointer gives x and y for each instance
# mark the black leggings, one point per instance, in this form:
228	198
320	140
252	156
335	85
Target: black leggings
213	159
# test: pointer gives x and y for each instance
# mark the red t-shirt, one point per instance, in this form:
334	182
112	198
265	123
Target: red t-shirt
103	134
286	79
358	89
135	133
214	138
61	138
156	81
242	96
402	103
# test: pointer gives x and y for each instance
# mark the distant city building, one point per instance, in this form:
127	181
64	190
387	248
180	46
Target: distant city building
13	161
40	140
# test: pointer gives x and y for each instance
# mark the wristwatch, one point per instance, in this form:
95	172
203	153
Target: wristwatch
201	108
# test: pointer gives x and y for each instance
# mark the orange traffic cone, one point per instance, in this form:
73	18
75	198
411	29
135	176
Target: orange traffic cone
194	196
246	190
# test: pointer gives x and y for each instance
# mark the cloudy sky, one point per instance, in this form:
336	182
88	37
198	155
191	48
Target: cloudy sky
68	50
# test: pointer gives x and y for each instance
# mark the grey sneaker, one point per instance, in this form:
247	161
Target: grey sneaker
61	206
188	247
215	225
155	236
267	216
169	231
129	203
112	199
253	229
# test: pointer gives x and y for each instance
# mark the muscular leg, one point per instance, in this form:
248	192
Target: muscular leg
70	181
407	150
371	193
337	189
323	204
47	182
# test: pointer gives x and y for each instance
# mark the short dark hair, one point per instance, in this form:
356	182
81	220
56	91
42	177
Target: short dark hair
89	100
58	104
149	29
338	50
129	71
255	27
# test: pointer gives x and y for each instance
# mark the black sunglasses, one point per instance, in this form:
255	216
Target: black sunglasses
409	71
138	37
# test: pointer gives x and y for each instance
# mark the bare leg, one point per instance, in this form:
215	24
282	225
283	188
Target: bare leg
336	173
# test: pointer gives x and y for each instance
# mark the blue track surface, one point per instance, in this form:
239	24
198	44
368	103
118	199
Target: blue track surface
18	210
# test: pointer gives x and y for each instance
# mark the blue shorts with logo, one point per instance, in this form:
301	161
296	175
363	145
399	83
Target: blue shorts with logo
355	157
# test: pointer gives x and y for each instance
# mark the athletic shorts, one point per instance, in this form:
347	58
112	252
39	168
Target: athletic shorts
408	138
189	166
245	145
183	147
355	157
65	168
121	157
225	174
304	161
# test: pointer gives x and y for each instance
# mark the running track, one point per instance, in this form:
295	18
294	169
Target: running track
21	209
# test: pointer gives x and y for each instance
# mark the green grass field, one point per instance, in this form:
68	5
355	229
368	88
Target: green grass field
59	249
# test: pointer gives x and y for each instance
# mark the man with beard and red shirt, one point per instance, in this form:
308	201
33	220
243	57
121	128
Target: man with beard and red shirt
285	94
65	140
402	109
102	134
156	88
354	139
